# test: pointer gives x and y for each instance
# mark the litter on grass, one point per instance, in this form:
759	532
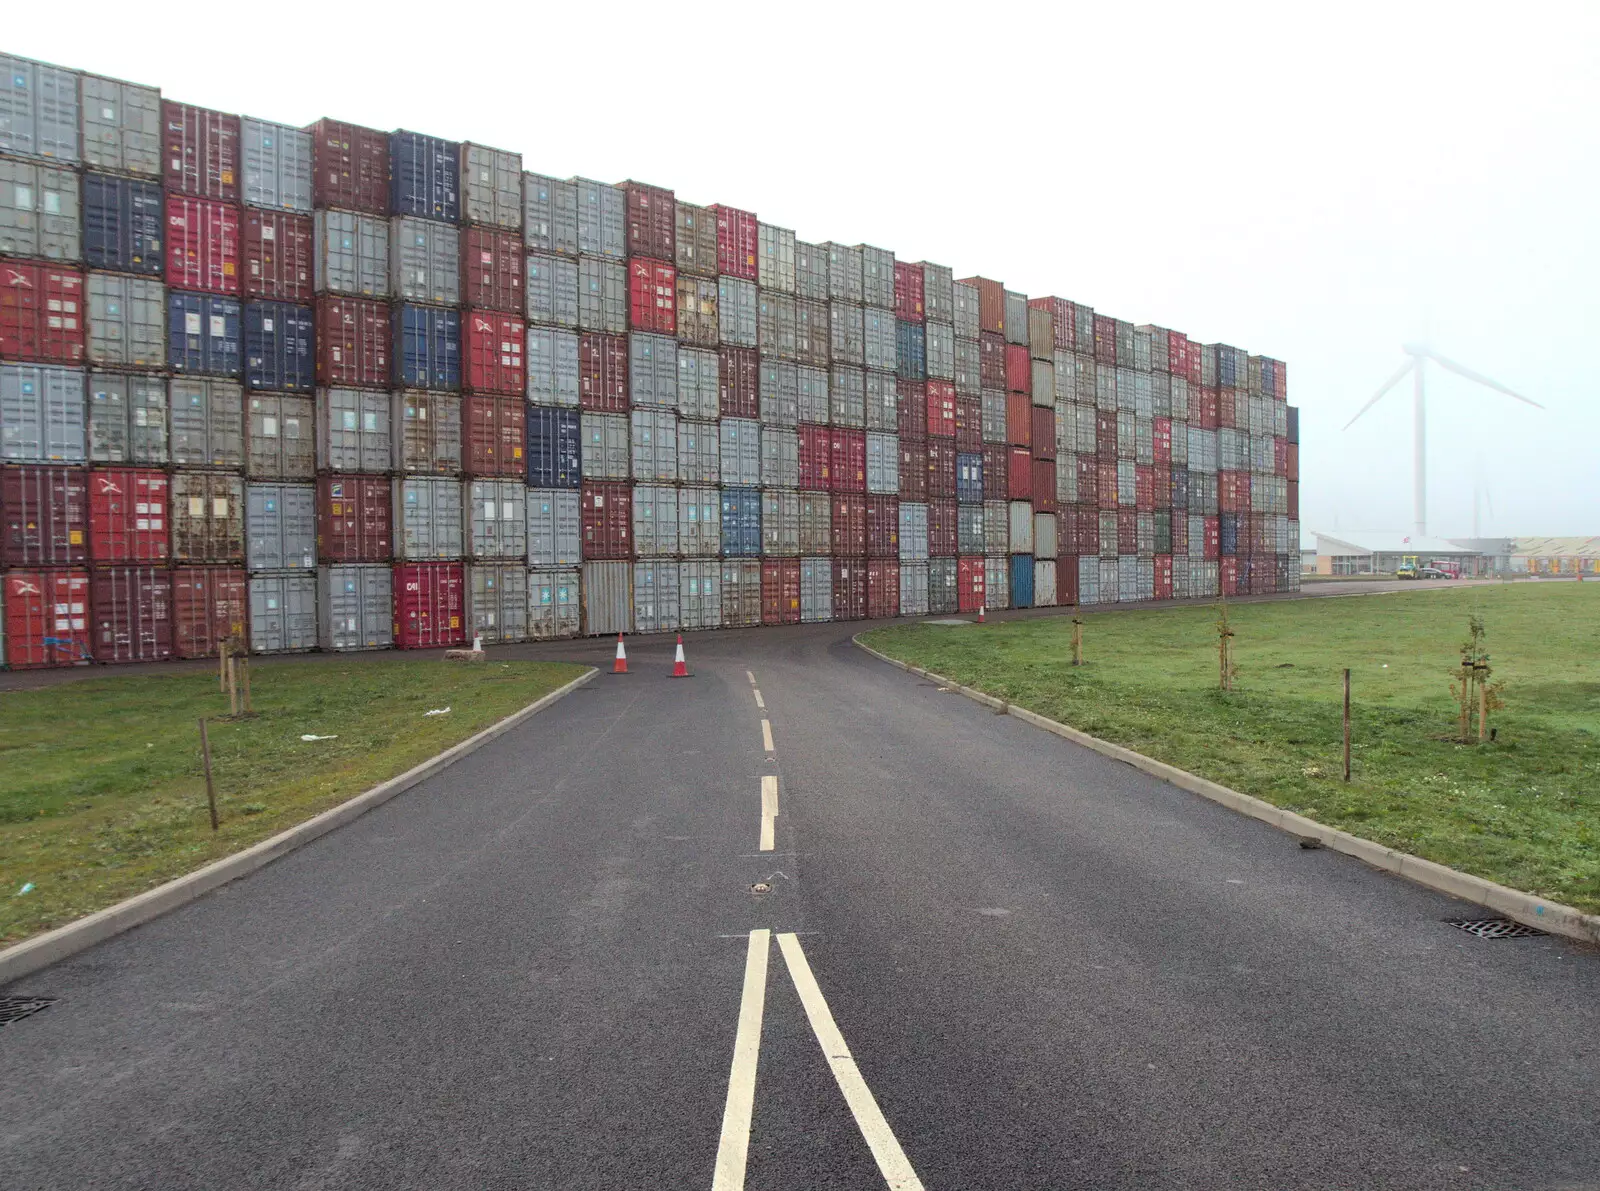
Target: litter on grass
438	711
308	736
27	888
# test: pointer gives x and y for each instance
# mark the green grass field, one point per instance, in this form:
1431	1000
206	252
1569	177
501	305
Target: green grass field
1523	811
103	794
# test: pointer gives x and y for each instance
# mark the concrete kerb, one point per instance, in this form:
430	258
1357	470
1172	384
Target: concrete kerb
1513	903
29	956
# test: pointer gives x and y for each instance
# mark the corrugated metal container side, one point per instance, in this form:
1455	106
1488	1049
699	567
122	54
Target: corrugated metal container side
602	220
355	519
281	527
424	176
845	283
497	520
741	522
491	187
656	607
607	520
44	516
278	256
427	515
203	244
1016	317
942	468
1020	538
207	513
879	350
654	440
207	423
277	166
877	277
652	296
42	412
737	312
969	477
602	295
738	248
944	529
349	167
780	457
40	211
353	430
492	270
124	225
780	522
550	214
607	598
911	351
694	239
940	351
816	523
882	526
554	604
1045	535
41	313
1044	583
355	607
776	333
603	373
811	271
203	334
131	614
127	321
882	398
698	321
883	589
494	436
41	104
846	334
943	598
997	581
847	397
780	591
848	460
430	605
210	605
816	590
555	532
350	254
652	375
655	521
46	618
492	345
427	347
971	584
908	292
426	429
606	455
775	248
779	394
738	593
200	152
279	438
814	397
1042	331
913	589
911	409
913	531
938	293
425	261
279	347
552	363
883	464
651	217
1021	585
352	338
699	452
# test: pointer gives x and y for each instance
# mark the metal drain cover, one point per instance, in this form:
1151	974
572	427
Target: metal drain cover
1496	928
16	1008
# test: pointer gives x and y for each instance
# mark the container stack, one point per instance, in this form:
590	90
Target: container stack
346	389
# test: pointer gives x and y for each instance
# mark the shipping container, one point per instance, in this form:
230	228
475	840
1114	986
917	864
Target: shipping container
997	580
780	591
130	614
653	435
741	522
42	111
908	292
355	607
938	293
279	443
552	363
911	351
200	152
780	522
811	271
352	341
429	605
652	296
779	394
780	457
44	517
883	464
203	245
738	249
278	256
127	418
203	334
1021	585
40	212
655	521
940	351
943	596
775	249
207	515
353	430
882	526
968	367
277	166
651	221
424	177
847	462
1043	485
127	324
491	188
494	436
816	590
492	271
607	520
776	326
971	585
1044	583
425	261
550	214
655	597
427	518
46	618
349	167
497	520
913	589
355	519
554	527
209	606
1045	535
696	311
41	313
123	225
607	598
694	239
427	343
492	347
1020	536
350	254
554	604
879	350
42	414
847	397
738	312
602	220
944	529
426	432
602	295
913	531
941	468
733	589
849	589
279	347
280	527
883	588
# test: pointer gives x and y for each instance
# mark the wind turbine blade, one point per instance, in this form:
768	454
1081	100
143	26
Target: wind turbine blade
1387	385
1459	370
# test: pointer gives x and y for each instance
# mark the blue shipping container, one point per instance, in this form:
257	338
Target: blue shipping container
969	479
123	224
1022	580
741	522
427	347
1227	377
203	333
554	446
1228	533
279	347
1180	487
911	350
424	176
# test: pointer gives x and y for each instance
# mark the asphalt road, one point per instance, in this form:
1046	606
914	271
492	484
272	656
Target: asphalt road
1051	970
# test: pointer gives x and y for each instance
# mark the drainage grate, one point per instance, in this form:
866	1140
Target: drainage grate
1495	928
16	1008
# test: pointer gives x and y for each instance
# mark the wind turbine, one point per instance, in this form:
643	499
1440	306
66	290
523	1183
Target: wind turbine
1416	365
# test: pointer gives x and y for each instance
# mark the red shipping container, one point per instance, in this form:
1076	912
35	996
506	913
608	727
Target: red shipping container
1162	440
1127	531
1088	480
1294	500
1208	409
1233	492
913	468
883	583
44	516
1177	353
850	589
1105	435
607	520
129	515
493	351
1196	406
1043	432
991	304
42	315
739	382
652	217
354	519
1228	575
208	606
1163	487
1144	487
1019	420
494	436
47	618
1019	474
943	529
1107	485
1280	456
996	461
941	408
912	400
349	167
352	342
1212	547
1067	580
652	296
277	255
131	614
603	372
202	245
908	292
1019	369
816	457
1044	486
849	526
492	269
969	424
848	460
883	527
991	361
1087	534
1061	316
941	468
971	592
430	600
1178	528
200	152
1105	339
1228	409
736	242
780	591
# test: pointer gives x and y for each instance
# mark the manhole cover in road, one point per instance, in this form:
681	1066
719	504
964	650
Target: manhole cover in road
760	888
16	1008
1495	928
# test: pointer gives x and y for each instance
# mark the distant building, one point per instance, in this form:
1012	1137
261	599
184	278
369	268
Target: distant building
1555	556
1308	552
1496	553
1376	553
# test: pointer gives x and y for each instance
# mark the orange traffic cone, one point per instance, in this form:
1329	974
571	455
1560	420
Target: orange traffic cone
621	664
980	613
680	668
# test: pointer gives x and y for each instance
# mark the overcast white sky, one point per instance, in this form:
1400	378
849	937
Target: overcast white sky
1318	184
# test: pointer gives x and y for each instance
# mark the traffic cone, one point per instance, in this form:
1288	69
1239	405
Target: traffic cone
621	664
980	613
680	668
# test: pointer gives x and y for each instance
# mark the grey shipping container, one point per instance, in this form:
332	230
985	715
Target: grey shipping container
847	397
355	607
969	529
42	414
700	594
554	606
780	523
207	423
942	599
914	536
1044	540
699	453
816	590
695	239
607	598
775	248
967	320
38	110
652	370
426	432
941	351
846	334
601	218
740	449
497	520
968	367
813	333
207	514
913	588
877	278
427	514
552	363
699	522
938	294
992	416
816	523
653	435
1016	318
697	310
498	592
39	211
878	339
551	290
996	526
737	312
121	126
352	254
280	527
602	295
740	592
127	418
883	464
549	214
1043	383
997	581
555	533
354	430
655	596
844	274
283	613
882	396
776	332
424	260
780	457
698	395
605	454
814	400
1088	579
491	187
278	439
277	166
779	388
655	520
127	321
810	271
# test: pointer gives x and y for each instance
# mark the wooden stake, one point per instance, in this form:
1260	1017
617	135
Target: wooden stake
1077	641
1483	711
233	685
1347	725
211	790
244	663
222	665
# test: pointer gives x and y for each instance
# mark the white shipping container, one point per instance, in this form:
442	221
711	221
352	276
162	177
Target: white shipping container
814	400
969	529
550	293
554	607
700	594
847	397
913	587
655	520
777	328
883	464
776	267
941	351
353	430
997	580
780	523
1044	583
780	457
737	304
605	452
996	526
497	599
969	367
498	515
879	349
607	598
555	531
943	597
602	295
698	396
1109	585
740	447
780	393
816	590
1021	527
655	597
355	609
654	437
552	363
1044	538
741	593
882	399
914	537
699	453
652	370
846	336
427	515
1043	383
699	522
1088	580
938	294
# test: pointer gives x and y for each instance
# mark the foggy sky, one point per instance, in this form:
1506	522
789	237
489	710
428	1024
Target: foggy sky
1319	185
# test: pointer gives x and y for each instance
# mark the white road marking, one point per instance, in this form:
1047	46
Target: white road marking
769	811
760	702
751	677
766	735
734	1147
892	1161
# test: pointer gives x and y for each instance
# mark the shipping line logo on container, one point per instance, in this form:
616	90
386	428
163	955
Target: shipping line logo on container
17	279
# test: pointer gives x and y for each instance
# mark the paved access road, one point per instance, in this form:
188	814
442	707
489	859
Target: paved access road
1031	967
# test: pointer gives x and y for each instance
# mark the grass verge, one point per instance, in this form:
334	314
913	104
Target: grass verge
104	795
1523	811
